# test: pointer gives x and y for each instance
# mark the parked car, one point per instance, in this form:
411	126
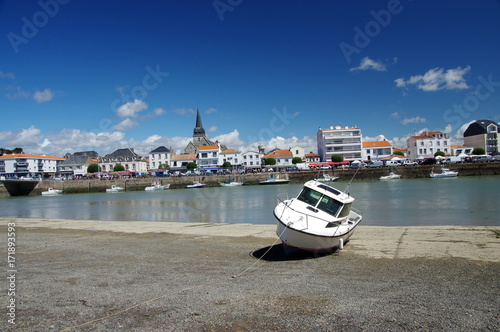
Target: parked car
392	163
376	163
428	161
452	160
483	158
408	162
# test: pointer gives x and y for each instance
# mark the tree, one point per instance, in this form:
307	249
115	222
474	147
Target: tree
164	166
337	158
226	164
270	161
93	168
191	165
296	160
118	168
399	153
439	153
478	151
17	150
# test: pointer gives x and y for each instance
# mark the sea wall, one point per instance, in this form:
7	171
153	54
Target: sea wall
85	186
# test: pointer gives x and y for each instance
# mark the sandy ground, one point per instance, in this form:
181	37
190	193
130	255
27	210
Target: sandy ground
148	276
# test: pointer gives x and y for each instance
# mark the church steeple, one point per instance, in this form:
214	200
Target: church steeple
198	130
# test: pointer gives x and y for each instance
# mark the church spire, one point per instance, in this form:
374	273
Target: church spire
198	130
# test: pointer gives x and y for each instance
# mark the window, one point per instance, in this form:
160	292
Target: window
329	205
204	155
309	196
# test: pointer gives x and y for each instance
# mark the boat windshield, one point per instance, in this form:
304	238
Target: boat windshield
322	202
345	211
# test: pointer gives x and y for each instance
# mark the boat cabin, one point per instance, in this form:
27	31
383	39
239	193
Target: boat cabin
321	197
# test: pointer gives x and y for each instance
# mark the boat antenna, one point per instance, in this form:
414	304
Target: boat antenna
354	175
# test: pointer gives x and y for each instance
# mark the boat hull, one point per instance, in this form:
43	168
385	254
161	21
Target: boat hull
20	187
298	239
274	182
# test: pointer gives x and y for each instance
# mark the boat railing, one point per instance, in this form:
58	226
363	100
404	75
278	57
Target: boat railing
306	215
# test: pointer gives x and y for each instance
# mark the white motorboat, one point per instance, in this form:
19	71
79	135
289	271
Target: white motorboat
445	173
156	187
114	189
319	219
327	178
196	185
391	176
52	192
276	180
231	183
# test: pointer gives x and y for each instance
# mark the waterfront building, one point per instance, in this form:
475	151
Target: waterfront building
208	157
283	157
375	150
342	140
75	165
28	165
483	134
312	158
230	155
298	152
461	150
159	157
131	161
427	144
252	159
199	137
179	162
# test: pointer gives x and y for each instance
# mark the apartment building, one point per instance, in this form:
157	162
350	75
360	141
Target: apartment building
28	165
375	150
342	140
427	144
483	134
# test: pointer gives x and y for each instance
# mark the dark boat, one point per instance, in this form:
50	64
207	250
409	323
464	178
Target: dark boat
20	187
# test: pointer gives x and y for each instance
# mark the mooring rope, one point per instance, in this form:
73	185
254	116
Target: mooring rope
119	312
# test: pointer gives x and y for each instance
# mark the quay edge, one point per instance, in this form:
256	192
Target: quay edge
407	172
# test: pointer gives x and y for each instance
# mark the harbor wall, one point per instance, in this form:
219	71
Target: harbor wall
134	184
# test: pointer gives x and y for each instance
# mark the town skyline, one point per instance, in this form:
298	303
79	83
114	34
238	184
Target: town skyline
102	76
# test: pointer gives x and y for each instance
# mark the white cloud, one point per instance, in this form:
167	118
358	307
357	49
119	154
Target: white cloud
369	64
184	111
126	124
396	115
43	96
131	109
416	119
25	137
211	110
7	75
212	129
437	79
159	111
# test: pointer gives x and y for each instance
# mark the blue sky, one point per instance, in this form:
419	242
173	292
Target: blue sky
100	75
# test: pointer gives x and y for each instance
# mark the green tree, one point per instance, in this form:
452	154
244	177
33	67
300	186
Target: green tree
296	160
270	161
478	151
17	150
118	168
226	164
337	158
164	166
439	153
191	165
93	168
399	153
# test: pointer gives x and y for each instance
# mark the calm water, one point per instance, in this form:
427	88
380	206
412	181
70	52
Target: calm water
408	202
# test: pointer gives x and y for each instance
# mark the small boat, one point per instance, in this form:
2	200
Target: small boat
327	178
52	192
231	183
275	180
319	219
114	189
156	187
445	173
391	176
196	185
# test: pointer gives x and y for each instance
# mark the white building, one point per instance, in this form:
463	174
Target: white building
159	157
28	165
298	152
345	141
375	150
232	156
252	159
179	162
208	157
483	134
427	144
131	161
283	158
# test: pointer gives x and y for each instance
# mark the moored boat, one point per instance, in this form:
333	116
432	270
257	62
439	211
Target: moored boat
156	187
327	178
391	176
196	185
445	173
275	180
231	183
319	219
52	192
114	189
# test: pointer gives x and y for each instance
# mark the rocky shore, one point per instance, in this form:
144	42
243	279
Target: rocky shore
74	275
